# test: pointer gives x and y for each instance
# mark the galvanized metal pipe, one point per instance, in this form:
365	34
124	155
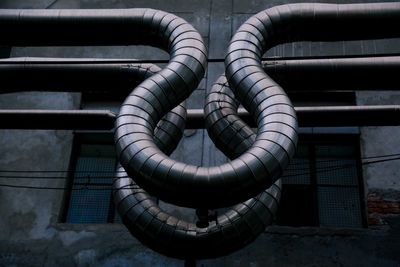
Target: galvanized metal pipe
71	27
244	176
268	104
118	77
27	27
194	186
333	116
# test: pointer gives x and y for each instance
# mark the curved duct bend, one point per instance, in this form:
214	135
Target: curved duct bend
179	183
261	165
249	173
177	238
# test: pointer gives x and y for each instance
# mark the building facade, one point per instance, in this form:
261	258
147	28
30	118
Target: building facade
347	191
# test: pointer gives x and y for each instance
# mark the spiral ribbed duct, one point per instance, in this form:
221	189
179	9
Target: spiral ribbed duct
151	121
179	183
173	236
258	159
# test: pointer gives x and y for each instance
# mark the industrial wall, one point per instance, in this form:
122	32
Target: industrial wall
31	229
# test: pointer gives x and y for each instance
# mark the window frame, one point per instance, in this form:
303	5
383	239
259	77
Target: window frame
312	141
80	138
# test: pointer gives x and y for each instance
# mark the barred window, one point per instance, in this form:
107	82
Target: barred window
321	187
94	163
323	184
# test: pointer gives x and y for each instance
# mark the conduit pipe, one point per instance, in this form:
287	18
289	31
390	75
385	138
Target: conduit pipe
52	27
260	165
274	142
331	116
281	24
173	236
181	239
265	100
277	130
72	75
177	238
117	77
262	162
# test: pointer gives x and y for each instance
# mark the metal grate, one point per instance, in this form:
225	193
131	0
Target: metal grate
339	207
322	184
298	172
337	171
89	206
91	195
336	165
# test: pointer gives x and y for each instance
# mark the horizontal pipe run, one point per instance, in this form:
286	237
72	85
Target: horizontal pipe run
72	27
57	119
251	172
38	27
115	76
334	116
368	73
326	116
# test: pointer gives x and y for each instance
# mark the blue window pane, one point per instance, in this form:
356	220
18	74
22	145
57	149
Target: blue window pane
89	205
94	170
90	200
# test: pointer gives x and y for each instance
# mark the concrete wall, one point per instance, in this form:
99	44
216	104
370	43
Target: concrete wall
30	231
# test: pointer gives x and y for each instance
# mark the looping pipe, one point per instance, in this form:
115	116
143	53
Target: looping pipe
183	184
145	106
247	174
257	168
146	132
177	238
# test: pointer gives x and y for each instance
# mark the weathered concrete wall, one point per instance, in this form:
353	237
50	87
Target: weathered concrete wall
380	141
30	232
381	180
111	245
28	213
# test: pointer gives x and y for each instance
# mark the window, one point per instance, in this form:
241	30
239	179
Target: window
323	184
90	199
321	187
